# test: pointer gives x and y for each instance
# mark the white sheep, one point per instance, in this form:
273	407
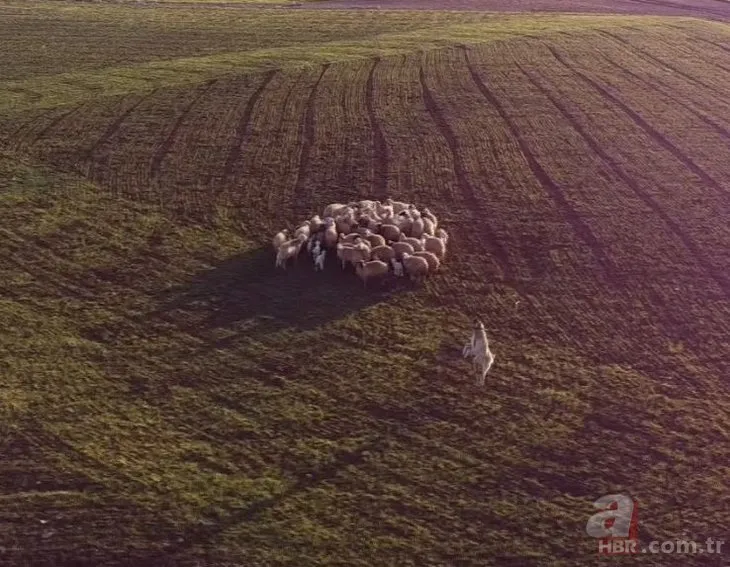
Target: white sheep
404	222
429	228
303	229
383	211
374	239
370	270
397	267
279	239
389	232
315	223
435	245
333	209
398	206
401	248
351	238
290	249
415	267
430	217
417	243
352	254
431	258
346	221
330	233
382	253
417	225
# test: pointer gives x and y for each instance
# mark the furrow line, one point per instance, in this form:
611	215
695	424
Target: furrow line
551	188
115	125
166	146
308	135
243	127
647	199
55	122
465	186
657	136
666	91
380	148
659	62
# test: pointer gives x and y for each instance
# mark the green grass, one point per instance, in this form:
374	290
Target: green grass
88	54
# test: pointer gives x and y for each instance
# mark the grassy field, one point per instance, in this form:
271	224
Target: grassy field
168	398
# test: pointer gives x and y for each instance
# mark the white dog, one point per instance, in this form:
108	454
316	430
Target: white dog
478	349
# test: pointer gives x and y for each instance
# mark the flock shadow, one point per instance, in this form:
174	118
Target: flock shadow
248	288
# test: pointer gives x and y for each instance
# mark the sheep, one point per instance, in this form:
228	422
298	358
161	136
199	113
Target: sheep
383	211
429	216
478	349
398	206
415	266
352	254
290	249
350	238
369	270
397	267
401	248
374	239
315	223
443	235
417	243
389	232
404	223
431	258
333	209
319	260
303	229
384	253
429	227
279	239
367	204
330	233
435	245
345	221
417	225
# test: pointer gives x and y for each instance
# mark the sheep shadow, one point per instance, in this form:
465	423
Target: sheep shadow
247	290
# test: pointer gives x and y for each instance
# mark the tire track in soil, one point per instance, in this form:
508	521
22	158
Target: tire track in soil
307	127
343	459
496	249
27	124
647	199
242	130
657	61
551	188
166	146
380	148
111	130
55	122
666	91
655	135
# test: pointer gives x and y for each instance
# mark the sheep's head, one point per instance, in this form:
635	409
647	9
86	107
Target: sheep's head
478	325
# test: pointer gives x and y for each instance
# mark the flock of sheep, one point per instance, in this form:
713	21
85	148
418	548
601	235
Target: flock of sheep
376	238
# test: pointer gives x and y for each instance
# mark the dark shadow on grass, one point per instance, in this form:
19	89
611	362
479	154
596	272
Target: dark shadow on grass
248	290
